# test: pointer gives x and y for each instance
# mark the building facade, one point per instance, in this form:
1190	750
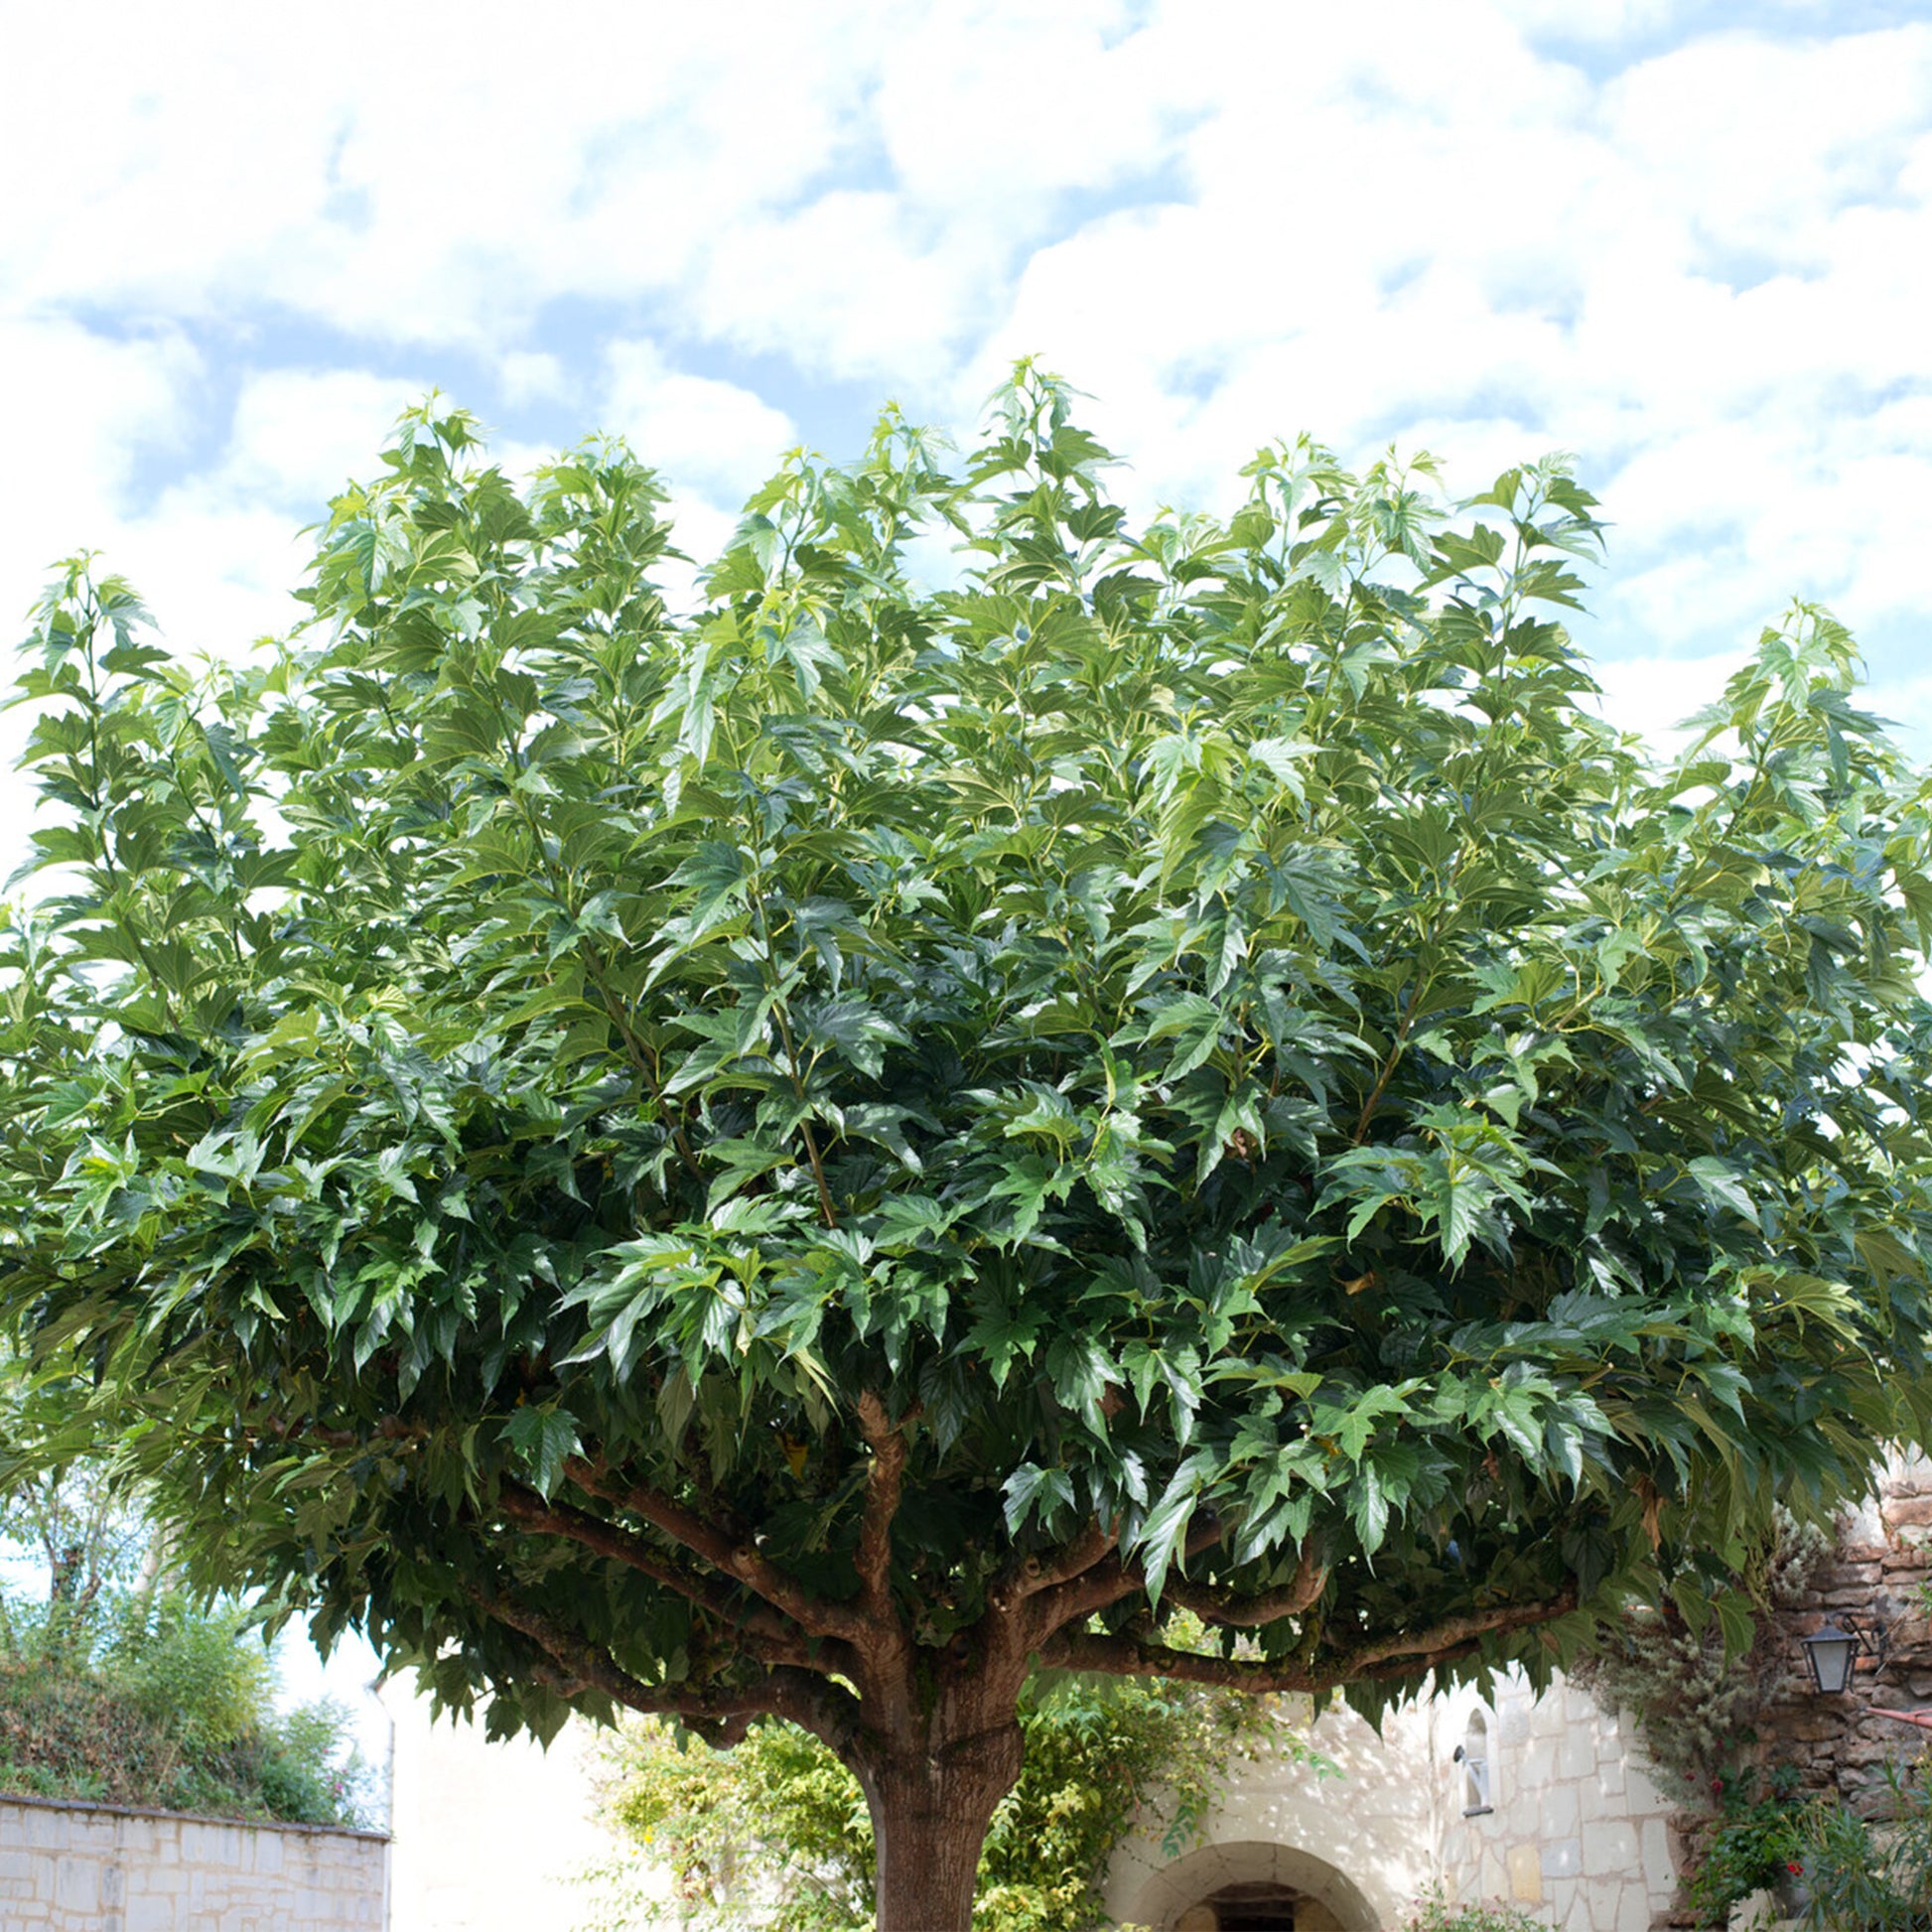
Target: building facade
1542	1802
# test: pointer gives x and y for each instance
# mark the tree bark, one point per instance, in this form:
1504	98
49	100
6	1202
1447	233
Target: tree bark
930	1809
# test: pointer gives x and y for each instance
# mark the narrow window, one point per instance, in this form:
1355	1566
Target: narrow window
1473	1754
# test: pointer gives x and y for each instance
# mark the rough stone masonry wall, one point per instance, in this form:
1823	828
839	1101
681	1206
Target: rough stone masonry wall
71	1867
1883	1561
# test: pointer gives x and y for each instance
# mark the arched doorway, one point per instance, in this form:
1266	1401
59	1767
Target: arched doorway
1249	1908
1252	1886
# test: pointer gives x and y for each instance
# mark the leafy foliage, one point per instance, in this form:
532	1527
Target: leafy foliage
765	1161
168	1705
1436	1913
62	1504
1757	1843
1695	1695
1861	1876
778	1829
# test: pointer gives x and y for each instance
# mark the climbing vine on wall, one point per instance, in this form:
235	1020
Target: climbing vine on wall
1695	1694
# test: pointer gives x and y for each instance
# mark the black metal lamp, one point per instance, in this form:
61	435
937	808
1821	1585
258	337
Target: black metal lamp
1830	1654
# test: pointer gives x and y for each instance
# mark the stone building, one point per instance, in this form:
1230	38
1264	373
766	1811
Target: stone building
1548	1803
1542	1802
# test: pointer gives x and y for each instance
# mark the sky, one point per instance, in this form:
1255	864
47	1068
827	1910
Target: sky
1689	241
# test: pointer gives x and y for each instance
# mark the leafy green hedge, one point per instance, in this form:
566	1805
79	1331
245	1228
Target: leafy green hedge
171	1710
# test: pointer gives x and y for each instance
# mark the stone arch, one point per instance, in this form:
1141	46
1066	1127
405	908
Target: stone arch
1211	1868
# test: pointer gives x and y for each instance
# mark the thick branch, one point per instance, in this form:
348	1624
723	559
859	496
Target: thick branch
884	1484
1034	1574
773	1638
585	1665
811	1614
1453	1634
721	1716
1457	1637
385	1429
1228	1607
1128	1656
1108	1580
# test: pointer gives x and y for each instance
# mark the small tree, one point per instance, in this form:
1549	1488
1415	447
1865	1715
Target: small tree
61	1507
809	1158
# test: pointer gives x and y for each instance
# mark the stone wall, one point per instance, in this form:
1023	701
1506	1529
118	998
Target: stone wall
1570	1825
1875	1577
1574	1829
1353	1835
68	1867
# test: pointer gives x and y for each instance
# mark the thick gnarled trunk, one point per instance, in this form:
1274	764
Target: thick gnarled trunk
930	1809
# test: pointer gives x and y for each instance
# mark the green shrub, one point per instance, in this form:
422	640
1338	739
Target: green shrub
198	1670
1434	1913
1866	1877
1755	1845
169	1705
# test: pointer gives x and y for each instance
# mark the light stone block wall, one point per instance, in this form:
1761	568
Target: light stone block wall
71	1868
1578	1832
1359	1843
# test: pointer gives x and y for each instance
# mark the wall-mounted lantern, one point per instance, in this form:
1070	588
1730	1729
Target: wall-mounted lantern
1830	1656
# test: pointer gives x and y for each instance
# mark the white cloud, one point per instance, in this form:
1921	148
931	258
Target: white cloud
1654	696
1758	143
700	432
533	376
1601	19
997	104
300	435
77	413
438	191
1707	274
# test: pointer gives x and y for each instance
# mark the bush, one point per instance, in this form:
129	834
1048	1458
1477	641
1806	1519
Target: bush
167	1705
1865	1877
1436	1913
1756	1846
195	1670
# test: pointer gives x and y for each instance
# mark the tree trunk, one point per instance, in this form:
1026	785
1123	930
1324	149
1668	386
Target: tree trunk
930	1810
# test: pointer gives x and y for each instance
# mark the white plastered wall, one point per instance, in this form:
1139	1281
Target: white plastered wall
487	1837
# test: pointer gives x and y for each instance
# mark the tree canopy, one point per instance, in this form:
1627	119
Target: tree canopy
816	1151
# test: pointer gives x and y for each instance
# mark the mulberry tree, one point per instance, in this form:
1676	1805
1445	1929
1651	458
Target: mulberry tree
809	1151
